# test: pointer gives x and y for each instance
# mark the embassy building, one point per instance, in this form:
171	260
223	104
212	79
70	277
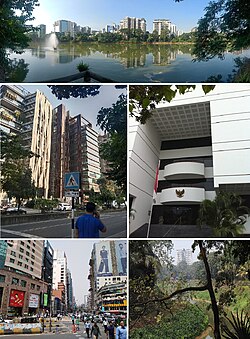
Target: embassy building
200	145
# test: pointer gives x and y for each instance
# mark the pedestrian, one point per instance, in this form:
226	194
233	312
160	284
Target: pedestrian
87	327
73	319
121	331
111	330
89	224
95	331
105	325
77	324
58	316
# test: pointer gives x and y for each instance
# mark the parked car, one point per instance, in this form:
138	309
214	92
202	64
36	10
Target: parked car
13	210
64	206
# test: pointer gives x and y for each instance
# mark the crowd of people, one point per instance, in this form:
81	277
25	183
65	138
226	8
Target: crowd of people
111	329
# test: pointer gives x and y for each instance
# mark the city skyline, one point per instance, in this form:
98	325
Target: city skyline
85	14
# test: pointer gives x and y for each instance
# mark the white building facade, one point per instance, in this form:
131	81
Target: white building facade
201	144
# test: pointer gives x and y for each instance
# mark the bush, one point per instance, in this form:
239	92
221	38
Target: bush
187	323
82	67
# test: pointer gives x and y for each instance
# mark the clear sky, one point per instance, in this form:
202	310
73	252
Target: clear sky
98	13
78	253
88	107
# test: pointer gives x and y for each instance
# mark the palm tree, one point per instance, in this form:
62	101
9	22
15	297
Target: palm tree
225	215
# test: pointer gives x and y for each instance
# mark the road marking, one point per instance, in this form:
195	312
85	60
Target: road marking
21	234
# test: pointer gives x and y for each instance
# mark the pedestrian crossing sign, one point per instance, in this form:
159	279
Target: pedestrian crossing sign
72	181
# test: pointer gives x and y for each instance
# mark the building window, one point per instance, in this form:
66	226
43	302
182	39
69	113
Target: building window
15	281
2	278
32	286
19	263
26	266
32	256
32	262
12	260
33	250
38	288
27	253
20	256
13	253
22	243
28	247
21	250
31	268
23	283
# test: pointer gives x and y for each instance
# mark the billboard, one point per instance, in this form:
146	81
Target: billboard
103	259
16	298
121	256
34	301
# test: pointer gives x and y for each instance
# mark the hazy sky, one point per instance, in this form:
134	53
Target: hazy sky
78	252
98	13
88	107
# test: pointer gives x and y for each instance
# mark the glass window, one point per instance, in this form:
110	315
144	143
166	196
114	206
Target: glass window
12	260
23	283
2	278
32	286
15	281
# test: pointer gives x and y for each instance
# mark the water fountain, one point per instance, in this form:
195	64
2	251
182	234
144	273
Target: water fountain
52	41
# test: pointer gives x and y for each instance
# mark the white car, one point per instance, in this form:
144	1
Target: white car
64	206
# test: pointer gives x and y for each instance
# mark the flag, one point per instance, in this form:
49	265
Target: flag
156	182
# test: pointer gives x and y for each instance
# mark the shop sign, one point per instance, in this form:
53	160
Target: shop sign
16	298
34	301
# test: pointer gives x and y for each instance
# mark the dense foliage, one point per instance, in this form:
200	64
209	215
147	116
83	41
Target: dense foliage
188	323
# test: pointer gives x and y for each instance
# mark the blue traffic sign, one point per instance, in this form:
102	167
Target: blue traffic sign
72	181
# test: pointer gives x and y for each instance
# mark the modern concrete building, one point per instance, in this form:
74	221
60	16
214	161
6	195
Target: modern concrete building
70	291
25	256
66	27
184	255
59	151
164	24
84	152
200	144
60	275
112	298
132	23
42	31
108	267
36	133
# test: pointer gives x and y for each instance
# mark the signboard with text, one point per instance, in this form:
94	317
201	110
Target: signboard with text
33	300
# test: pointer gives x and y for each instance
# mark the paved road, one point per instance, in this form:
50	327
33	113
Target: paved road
116	223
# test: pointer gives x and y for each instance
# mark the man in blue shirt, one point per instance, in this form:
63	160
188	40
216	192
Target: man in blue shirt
89	224
121	331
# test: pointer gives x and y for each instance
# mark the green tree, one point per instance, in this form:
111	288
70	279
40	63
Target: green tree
113	121
225	214
13	28
225	25
16	175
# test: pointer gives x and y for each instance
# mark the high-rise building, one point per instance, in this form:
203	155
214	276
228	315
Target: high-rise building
59	151
36	133
132	23
60	274
184	255
199	143
84	152
25	256
108	266
66	27
41	31
69	291
164	24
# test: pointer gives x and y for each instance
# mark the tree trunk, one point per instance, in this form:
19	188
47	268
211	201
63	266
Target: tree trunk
211	292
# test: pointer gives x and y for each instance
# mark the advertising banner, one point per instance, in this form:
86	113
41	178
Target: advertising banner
16	298
121	256
45	299
103	259
34	301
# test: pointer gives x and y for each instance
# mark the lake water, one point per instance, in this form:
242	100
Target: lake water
124	62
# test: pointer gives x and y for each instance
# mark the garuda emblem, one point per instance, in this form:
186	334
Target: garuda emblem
180	193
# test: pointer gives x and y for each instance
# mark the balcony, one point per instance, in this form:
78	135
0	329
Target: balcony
182	195
184	170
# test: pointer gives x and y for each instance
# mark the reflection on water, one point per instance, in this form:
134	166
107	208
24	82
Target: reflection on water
123	62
